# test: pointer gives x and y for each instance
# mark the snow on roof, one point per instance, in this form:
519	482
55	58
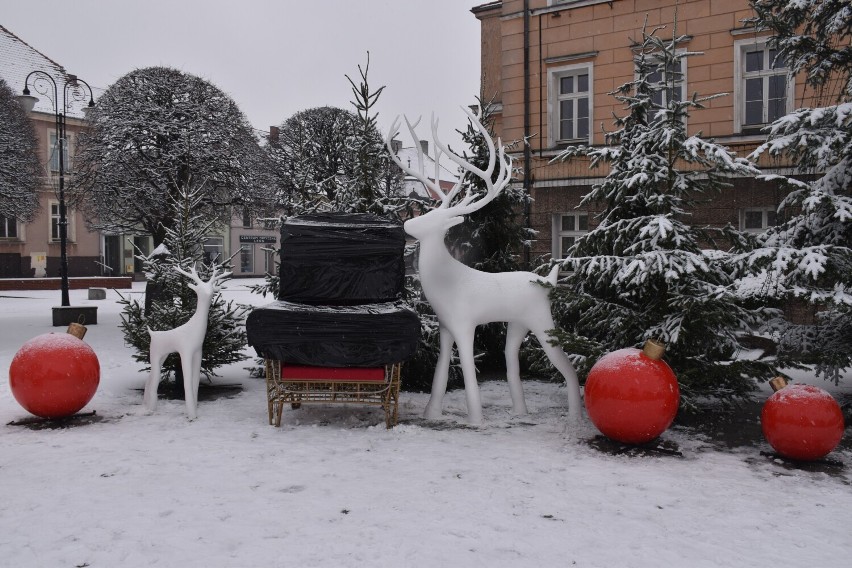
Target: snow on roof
408	156
18	59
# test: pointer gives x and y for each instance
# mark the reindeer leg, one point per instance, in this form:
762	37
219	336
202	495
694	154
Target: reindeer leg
515	334
564	366
439	379
153	382
464	342
190	395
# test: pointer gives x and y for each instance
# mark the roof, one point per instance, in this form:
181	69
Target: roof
446	178
18	59
485	7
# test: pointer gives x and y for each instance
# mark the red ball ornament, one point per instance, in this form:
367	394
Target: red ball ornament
801	422
632	396
54	375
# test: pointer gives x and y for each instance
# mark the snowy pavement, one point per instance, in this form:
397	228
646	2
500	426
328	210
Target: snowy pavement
333	488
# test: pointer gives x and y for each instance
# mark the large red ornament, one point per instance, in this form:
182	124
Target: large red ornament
54	375
630	396
802	422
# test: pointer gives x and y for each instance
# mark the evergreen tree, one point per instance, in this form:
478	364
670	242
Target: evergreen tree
808	257
169	301
374	183
642	272
490	239
20	169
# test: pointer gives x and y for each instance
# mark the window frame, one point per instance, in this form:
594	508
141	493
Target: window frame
53	156
559	233
220	246
683	71
764	220
250	248
741	47
554	76
5	223
71	232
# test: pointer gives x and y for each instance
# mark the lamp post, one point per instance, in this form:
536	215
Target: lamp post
42	83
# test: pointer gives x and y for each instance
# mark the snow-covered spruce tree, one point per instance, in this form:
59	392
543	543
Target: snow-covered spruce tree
151	132
19	165
373	183
808	258
169	301
642	272
491	239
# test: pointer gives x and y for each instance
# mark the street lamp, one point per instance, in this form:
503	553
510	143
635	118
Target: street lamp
42	82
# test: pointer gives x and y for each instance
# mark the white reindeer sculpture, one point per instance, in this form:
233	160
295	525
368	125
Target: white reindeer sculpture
186	340
463	297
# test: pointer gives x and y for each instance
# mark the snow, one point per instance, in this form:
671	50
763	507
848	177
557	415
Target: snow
332	487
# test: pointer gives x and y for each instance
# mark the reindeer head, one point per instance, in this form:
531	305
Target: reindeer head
201	288
439	220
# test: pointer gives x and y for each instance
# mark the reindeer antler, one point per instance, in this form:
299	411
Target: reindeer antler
193	275
215	278
420	173
469	202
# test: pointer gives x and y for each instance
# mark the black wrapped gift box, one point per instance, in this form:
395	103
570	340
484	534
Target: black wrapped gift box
367	335
341	259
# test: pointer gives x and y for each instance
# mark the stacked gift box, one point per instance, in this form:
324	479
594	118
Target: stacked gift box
340	295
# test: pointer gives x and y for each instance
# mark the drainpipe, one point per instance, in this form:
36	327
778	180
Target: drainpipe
527	157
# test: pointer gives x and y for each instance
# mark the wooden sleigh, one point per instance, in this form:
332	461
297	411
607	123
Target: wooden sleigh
301	384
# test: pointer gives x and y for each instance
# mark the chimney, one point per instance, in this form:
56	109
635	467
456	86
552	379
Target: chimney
273	134
424	145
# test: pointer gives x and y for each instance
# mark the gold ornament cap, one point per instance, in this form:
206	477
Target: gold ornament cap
778	383
654	349
77	330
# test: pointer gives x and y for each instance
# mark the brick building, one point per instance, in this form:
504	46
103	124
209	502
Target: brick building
32	249
550	64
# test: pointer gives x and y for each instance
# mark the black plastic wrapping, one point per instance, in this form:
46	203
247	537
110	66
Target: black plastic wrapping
341	259
369	335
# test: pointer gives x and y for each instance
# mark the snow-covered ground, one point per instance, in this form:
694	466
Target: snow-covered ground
333	488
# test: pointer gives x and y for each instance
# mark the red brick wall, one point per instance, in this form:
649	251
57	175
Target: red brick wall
73	283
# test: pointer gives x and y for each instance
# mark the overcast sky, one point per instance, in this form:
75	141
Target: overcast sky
274	57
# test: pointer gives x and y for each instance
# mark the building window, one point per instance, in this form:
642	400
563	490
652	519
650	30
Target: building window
673	79
568	227
246	218
247	258
53	153
570	96
764	92
214	249
8	227
268	260
54	222
757	219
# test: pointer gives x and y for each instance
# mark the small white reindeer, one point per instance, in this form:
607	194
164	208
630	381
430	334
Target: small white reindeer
186	340
463	297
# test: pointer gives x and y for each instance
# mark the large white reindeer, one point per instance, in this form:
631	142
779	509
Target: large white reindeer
186	340
464	298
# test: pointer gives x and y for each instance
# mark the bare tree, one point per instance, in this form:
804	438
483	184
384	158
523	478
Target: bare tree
19	165
152	131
